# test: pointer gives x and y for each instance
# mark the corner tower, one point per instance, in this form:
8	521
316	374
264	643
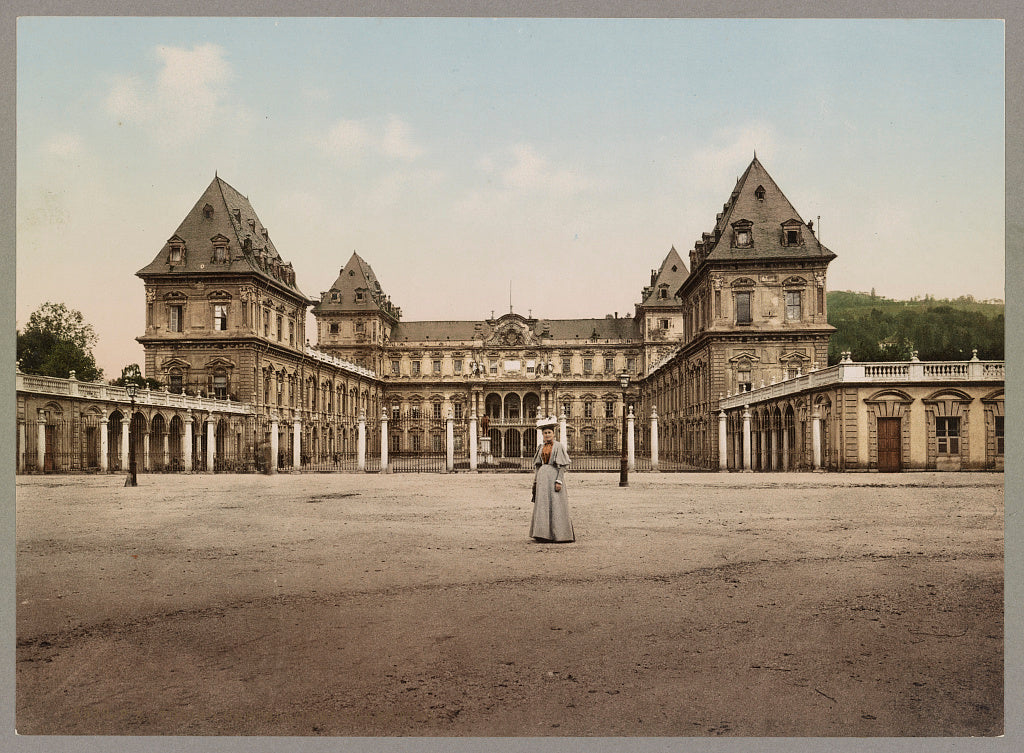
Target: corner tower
219	298
355	317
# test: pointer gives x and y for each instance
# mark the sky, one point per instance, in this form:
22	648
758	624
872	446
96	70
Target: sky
546	164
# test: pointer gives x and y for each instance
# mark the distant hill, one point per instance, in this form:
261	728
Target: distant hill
874	328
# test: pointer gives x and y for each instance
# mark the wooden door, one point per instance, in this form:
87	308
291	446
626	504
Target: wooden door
889	441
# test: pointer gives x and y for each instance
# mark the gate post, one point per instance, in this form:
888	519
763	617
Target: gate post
21	446
186	450
630	441
654	439
125	439
746	437
104	442
297	443
384	441
449	438
562	436
275	443
146	466
816	439
723	442
472	440
361	450
211	444
40	440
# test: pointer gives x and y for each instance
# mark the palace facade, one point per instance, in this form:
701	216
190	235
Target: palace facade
225	322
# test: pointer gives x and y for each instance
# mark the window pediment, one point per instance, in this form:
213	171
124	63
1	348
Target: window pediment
743	282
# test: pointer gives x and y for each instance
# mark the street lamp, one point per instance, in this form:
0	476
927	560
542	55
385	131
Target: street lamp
132	389
624	467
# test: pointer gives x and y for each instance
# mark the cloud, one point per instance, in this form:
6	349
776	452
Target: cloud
534	172
183	100
732	148
352	139
65	146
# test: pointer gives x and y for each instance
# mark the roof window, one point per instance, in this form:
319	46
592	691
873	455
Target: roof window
759	193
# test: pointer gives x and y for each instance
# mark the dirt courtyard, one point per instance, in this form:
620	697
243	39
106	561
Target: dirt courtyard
866	605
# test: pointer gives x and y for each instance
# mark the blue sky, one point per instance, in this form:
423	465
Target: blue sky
459	157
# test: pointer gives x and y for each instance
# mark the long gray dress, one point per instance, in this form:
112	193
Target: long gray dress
550	508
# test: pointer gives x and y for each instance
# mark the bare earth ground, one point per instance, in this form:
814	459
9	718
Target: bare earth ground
691	605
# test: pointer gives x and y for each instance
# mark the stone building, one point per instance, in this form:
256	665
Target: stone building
707	344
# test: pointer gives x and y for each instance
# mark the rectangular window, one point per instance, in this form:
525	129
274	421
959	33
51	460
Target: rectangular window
663	323
415	368
821	300
416	442
457	365
458	411
437	410
359	296
436	365
334	328
588	365
566	365
947	432
266	322
220	317
437	443
360	328
175	257
588	409
291	332
175	317
567	410
396	368
220	254
220	386
743	307
999	435
609	366
494	367
280	329
414	412
793	305
175	385
609	409
280	391
631	365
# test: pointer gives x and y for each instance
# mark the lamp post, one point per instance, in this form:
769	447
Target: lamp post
132	389
624	467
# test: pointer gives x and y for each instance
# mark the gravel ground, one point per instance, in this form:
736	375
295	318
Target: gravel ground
866	605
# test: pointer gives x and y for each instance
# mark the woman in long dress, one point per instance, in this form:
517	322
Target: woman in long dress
551	521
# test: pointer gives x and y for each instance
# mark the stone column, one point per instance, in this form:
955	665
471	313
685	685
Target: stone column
472	440
297	443
104	442
562	436
40	440
21	447
449	440
785	446
746	437
654	439
125	439
774	433
361	447
165	448
723	441
211	444
144	465
384	441
630	441
275	444
816	439
186	450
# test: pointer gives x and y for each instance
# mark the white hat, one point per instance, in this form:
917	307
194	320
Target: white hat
546	421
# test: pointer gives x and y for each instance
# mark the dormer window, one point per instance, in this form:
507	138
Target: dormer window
759	193
177	254
238	216
220	249
208	211
252	225
359	296
742	234
791	233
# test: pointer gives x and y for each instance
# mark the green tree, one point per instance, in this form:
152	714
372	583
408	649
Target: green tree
56	341
132	374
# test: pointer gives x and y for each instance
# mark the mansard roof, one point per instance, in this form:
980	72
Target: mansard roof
357	277
669	276
575	330
223	217
758	199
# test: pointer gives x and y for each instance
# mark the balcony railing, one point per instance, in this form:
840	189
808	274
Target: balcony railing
848	372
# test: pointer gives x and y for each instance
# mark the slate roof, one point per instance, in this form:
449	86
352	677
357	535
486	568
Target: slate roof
223	211
766	216
354	277
582	330
672	273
